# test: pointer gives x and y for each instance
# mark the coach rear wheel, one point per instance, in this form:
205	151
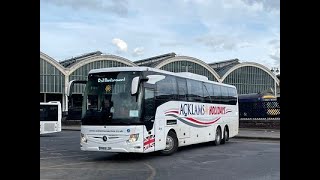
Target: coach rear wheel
171	144
225	136
218	137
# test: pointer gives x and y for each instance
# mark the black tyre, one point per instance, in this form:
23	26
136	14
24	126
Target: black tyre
217	140
225	136
171	144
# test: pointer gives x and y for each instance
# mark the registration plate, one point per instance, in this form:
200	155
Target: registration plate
104	148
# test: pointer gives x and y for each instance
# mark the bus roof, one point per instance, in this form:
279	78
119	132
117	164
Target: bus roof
116	69
187	75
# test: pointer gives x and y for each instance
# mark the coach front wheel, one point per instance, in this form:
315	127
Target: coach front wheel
171	144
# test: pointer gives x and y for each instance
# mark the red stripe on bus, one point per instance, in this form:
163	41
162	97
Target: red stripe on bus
199	122
176	112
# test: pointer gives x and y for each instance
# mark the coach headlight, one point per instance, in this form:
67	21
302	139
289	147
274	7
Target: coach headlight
83	138
133	138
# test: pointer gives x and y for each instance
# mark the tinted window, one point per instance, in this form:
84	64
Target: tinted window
149	107
208	92
48	113
195	92
182	89
166	88
232	95
224	95
217	94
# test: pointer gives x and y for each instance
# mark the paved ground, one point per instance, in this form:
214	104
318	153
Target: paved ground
238	159
251	133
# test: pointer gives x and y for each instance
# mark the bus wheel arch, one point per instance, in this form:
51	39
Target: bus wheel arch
171	143
225	135
217	139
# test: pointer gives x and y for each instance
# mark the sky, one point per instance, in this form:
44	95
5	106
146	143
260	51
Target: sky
209	30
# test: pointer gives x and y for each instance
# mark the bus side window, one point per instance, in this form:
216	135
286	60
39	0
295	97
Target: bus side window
207	90
225	95
167	88
217	94
195	91
149	106
232	96
182	89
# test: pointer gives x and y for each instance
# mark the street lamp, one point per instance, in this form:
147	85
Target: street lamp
275	70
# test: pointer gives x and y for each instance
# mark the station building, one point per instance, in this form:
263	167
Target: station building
248	77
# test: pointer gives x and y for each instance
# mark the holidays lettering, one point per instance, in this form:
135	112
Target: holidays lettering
217	110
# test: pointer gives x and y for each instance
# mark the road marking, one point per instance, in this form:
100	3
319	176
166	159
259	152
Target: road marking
153	171
61	157
205	162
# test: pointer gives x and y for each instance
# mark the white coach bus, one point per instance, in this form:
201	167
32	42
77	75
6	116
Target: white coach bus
142	109
50	117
